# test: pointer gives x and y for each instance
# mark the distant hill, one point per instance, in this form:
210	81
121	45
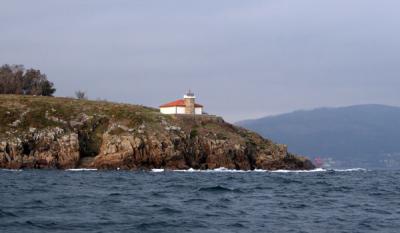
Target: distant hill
362	135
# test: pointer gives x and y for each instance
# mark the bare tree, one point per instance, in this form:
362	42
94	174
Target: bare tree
81	95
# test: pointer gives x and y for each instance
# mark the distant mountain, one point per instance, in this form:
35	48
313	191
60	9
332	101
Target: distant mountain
362	135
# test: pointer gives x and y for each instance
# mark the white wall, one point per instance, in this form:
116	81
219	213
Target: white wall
179	110
198	111
168	110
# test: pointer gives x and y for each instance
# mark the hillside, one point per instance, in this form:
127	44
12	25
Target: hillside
363	135
48	132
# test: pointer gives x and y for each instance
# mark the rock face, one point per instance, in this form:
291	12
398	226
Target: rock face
180	151
49	148
93	137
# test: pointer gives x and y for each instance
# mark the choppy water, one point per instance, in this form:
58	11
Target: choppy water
219	201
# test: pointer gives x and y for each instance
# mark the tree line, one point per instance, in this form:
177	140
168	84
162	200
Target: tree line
15	79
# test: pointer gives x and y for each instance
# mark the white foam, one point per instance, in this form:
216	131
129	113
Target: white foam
81	169
157	170
221	169
321	170
259	170
350	170
300	171
12	170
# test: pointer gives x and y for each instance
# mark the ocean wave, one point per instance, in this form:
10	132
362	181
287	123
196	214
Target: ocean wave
157	170
217	188
300	171
81	169
321	170
11	170
222	169
350	170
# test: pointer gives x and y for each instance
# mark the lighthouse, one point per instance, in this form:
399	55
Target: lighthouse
187	106
189	100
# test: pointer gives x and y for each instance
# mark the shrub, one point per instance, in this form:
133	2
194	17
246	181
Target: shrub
194	133
81	95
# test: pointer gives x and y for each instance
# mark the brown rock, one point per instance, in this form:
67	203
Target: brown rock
111	136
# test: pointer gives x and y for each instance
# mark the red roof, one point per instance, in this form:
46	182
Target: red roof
179	103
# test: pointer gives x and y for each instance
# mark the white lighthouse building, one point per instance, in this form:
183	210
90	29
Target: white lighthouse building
187	105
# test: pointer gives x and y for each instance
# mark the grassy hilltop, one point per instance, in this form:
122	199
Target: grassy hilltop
40	112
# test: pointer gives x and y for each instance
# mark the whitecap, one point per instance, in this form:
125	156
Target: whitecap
12	170
221	169
81	169
259	170
187	170
350	170
157	170
300	171
226	170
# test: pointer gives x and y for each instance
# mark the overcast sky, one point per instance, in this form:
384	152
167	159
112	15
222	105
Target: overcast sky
243	59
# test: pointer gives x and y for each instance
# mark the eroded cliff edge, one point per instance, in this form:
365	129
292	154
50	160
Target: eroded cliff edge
46	132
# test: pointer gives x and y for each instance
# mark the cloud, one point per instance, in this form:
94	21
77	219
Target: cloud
243	58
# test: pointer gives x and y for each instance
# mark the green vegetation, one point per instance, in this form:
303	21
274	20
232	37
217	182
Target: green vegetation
194	133
19	113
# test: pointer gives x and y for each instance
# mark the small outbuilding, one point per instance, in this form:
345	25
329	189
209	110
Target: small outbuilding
187	105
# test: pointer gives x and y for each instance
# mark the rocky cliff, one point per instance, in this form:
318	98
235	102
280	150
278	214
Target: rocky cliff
45	132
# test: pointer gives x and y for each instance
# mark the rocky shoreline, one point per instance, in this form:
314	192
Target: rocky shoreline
88	134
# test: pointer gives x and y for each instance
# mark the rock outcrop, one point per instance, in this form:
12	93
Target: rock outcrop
65	133
48	148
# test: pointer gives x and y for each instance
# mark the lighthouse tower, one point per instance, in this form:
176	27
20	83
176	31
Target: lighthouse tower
189	100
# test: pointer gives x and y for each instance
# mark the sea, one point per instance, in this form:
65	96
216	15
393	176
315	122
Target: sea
221	200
